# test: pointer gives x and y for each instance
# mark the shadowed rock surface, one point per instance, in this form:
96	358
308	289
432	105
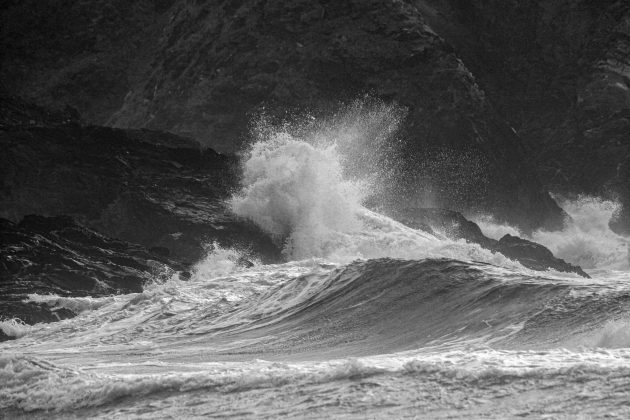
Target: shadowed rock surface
154	189
54	255
534	256
558	72
84	54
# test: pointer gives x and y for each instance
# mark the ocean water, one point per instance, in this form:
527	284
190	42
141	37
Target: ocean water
367	318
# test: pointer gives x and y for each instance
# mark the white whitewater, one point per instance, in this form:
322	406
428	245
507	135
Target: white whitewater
190	349
586	239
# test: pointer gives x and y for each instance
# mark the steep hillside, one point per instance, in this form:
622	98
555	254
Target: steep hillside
204	69
559	72
85	54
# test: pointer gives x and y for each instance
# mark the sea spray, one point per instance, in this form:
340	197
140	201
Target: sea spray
493	229
221	261
586	239
304	192
296	192
14	327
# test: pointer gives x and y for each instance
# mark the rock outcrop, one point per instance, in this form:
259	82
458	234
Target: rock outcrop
557	71
455	226
54	255
84	54
154	189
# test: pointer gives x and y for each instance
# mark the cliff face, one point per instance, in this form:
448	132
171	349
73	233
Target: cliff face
558	71
204	68
85	54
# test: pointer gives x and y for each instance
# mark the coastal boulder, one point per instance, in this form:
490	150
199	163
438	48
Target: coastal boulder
455	226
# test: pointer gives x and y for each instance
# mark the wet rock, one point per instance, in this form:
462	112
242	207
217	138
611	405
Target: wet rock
154	189
55	255
557	71
450	223
455	226
534	256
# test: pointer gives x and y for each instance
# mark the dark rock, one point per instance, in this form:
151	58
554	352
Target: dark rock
534	256
84	55
160	250
54	255
203	69
244	262
455	226
16	112
557	72
169	195
450	223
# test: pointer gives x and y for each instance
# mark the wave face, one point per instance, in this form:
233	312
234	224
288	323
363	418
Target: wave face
367	316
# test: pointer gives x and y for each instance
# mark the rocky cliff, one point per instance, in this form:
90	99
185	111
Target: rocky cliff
150	188
559	72
203	69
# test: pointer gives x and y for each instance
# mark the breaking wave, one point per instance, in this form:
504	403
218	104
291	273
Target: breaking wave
299	191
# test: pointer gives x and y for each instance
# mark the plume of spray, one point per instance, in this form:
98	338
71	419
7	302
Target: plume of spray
296	192
585	240
305	184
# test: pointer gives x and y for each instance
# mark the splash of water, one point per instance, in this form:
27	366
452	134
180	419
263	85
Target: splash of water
14	327
586	239
614	334
296	192
306	190
221	261
493	229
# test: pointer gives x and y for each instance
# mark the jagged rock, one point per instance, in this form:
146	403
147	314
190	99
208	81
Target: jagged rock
454	225
54	255
57	255
167	193
451	223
